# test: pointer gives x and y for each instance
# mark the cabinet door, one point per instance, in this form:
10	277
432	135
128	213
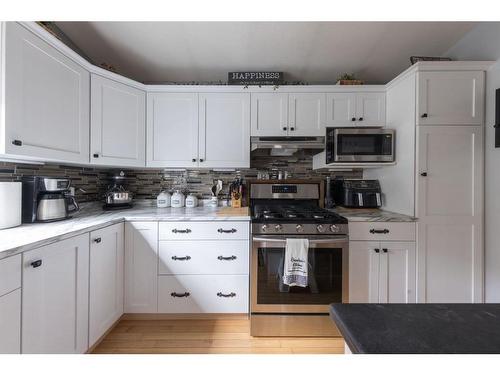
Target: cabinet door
269	114
118	124
397	272
450	98
46	100
341	109
370	109
306	114
364	264
224	130
10	323
106	280
172	130
55	297
450	211
141	273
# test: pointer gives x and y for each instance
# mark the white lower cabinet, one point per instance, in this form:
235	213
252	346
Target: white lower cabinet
106	280
203	294
382	272
141	260
10	322
55	297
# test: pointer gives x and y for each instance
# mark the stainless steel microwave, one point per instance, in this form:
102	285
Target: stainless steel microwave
359	145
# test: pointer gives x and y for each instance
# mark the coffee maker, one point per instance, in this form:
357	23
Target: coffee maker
46	199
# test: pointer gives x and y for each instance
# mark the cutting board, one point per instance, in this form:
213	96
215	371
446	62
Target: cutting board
230	211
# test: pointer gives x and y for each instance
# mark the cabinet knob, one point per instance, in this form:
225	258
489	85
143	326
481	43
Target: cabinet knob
353	119
384	250
423	174
361	119
201	160
17	142
424	115
36	263
284	128
376	250
194	160
97	240
292	128
95	155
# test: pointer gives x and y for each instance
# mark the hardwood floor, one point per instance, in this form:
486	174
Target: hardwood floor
222	336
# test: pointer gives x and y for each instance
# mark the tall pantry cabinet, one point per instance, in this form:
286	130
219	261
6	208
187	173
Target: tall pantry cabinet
437	110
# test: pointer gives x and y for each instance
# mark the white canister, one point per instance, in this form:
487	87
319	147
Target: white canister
177	199
191	200
10	204
163	199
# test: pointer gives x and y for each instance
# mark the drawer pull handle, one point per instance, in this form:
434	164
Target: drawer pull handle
230	295
17	142
232	230
187	257
185	294
36	263
232	257
181	230
97	240
376	250
384	250
379	231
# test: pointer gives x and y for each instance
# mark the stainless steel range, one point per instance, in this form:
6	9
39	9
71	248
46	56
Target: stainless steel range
282	210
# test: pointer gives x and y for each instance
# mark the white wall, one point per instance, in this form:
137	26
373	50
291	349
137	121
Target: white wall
483	43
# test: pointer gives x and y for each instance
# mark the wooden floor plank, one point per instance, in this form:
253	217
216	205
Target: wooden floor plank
223	336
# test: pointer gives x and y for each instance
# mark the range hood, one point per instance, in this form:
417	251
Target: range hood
286	146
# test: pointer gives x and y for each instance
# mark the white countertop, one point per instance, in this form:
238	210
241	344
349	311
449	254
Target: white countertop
92	217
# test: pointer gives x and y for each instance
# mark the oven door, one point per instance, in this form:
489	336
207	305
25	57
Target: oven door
328	275
363	145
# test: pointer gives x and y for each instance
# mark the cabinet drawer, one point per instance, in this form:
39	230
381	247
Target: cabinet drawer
203	257
203	294
204	230
381	231
10	274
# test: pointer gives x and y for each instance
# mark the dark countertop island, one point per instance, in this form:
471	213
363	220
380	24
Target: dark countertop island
419	328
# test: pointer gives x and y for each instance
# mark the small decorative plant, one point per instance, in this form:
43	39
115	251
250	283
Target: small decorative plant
348	79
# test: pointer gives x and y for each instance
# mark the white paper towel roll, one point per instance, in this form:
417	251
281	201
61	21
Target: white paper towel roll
10	204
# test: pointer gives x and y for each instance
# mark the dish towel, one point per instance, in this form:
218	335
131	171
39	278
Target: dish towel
295	265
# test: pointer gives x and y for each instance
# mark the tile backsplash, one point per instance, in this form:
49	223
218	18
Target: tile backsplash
92	183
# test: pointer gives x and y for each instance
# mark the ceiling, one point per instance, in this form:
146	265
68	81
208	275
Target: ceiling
312	52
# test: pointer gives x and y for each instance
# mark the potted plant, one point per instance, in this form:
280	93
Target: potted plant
348	79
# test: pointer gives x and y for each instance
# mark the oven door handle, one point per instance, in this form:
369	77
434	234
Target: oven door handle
335	239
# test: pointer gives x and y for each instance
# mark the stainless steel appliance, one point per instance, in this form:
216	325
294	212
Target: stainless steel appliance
282	210
354	193
117	196
359	145
286	146
46	199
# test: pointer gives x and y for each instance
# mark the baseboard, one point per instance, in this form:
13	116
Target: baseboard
154	316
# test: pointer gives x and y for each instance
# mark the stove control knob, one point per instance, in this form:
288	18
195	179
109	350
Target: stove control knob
320	228
263	228
278	227
334	228
299	228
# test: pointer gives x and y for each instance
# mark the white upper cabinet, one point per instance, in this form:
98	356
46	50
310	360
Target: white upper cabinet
46	100
269	114
450	98
118	124
105	279
341	109
172	130
306	114
224	130
370	109
450	211
55	297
